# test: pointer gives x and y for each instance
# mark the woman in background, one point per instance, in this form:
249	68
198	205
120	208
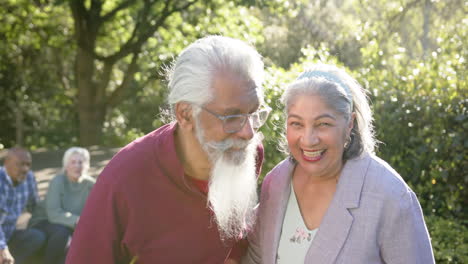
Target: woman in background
66	196
333	200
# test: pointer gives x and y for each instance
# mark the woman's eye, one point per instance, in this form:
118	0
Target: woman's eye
295	124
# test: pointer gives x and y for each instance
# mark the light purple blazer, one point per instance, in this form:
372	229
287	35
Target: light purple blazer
374	217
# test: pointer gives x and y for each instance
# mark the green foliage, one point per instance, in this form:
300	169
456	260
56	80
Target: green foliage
449	239
420	111
35	98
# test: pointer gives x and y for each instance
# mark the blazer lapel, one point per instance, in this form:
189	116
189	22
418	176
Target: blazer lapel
274	215
337	222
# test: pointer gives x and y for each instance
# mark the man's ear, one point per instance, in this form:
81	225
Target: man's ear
183	113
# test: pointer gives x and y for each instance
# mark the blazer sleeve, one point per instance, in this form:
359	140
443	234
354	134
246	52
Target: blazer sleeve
405	238
254	254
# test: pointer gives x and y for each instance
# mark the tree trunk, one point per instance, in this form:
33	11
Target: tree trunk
91	113
91	122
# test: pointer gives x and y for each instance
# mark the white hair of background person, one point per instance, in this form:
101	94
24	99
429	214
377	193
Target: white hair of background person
80	151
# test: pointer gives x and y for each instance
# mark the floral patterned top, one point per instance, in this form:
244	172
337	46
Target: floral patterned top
295	236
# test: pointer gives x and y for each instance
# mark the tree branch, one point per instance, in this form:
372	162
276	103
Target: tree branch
131	45
405	10
119	93
114	11
104	82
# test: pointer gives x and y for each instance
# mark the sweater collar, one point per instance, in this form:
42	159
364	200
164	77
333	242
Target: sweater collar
168	161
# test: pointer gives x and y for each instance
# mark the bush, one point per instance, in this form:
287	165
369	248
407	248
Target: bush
449	239
420	113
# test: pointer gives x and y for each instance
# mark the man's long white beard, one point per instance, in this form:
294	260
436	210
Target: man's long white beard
232	193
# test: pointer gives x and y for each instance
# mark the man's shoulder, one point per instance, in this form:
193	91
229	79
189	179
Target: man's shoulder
30	178
139	155
147	142
2	174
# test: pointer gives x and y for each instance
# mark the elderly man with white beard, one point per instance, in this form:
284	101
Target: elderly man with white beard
186	192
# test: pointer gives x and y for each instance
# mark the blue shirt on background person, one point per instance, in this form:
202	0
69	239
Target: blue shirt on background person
18	191
13	200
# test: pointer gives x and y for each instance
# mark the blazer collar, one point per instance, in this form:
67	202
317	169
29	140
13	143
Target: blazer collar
337	222
278	196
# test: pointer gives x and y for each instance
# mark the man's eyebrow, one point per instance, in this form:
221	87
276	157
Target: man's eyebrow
230	111
237	111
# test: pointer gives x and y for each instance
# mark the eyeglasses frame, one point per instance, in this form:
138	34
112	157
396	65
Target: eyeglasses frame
223	118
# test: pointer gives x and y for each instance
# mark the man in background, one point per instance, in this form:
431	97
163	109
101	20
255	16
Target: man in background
18	191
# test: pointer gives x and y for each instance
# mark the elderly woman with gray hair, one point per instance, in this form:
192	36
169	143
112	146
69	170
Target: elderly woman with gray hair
58	214
333	200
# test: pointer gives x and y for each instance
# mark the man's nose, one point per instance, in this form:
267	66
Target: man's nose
247	131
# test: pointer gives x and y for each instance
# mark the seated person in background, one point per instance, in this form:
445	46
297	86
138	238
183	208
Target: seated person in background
18	191
58	214
333	200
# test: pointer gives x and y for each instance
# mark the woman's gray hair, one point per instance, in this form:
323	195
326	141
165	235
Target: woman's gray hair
342	93
76	150
191	75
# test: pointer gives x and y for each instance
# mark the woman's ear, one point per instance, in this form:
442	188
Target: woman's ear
351	123
183	113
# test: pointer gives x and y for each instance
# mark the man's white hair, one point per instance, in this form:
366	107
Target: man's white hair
191	75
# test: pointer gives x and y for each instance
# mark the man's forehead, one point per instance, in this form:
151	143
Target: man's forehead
20	154
246	101
228	85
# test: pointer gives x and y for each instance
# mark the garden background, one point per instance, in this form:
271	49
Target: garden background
91	73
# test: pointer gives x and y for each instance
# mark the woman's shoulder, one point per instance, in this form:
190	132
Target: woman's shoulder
280	173
87	180
383	180
58	179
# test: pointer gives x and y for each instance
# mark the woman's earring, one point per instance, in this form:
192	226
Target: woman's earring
347	142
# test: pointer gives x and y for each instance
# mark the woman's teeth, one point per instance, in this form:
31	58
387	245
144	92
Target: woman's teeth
313	154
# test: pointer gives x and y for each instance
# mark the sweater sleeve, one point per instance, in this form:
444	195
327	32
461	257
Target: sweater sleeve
55	213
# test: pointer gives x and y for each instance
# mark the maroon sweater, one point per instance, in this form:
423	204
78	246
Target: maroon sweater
142	205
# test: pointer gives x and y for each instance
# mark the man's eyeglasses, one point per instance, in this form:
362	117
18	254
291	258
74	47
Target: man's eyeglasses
234	123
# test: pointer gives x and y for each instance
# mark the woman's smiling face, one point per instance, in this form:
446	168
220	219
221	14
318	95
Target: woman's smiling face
316	135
